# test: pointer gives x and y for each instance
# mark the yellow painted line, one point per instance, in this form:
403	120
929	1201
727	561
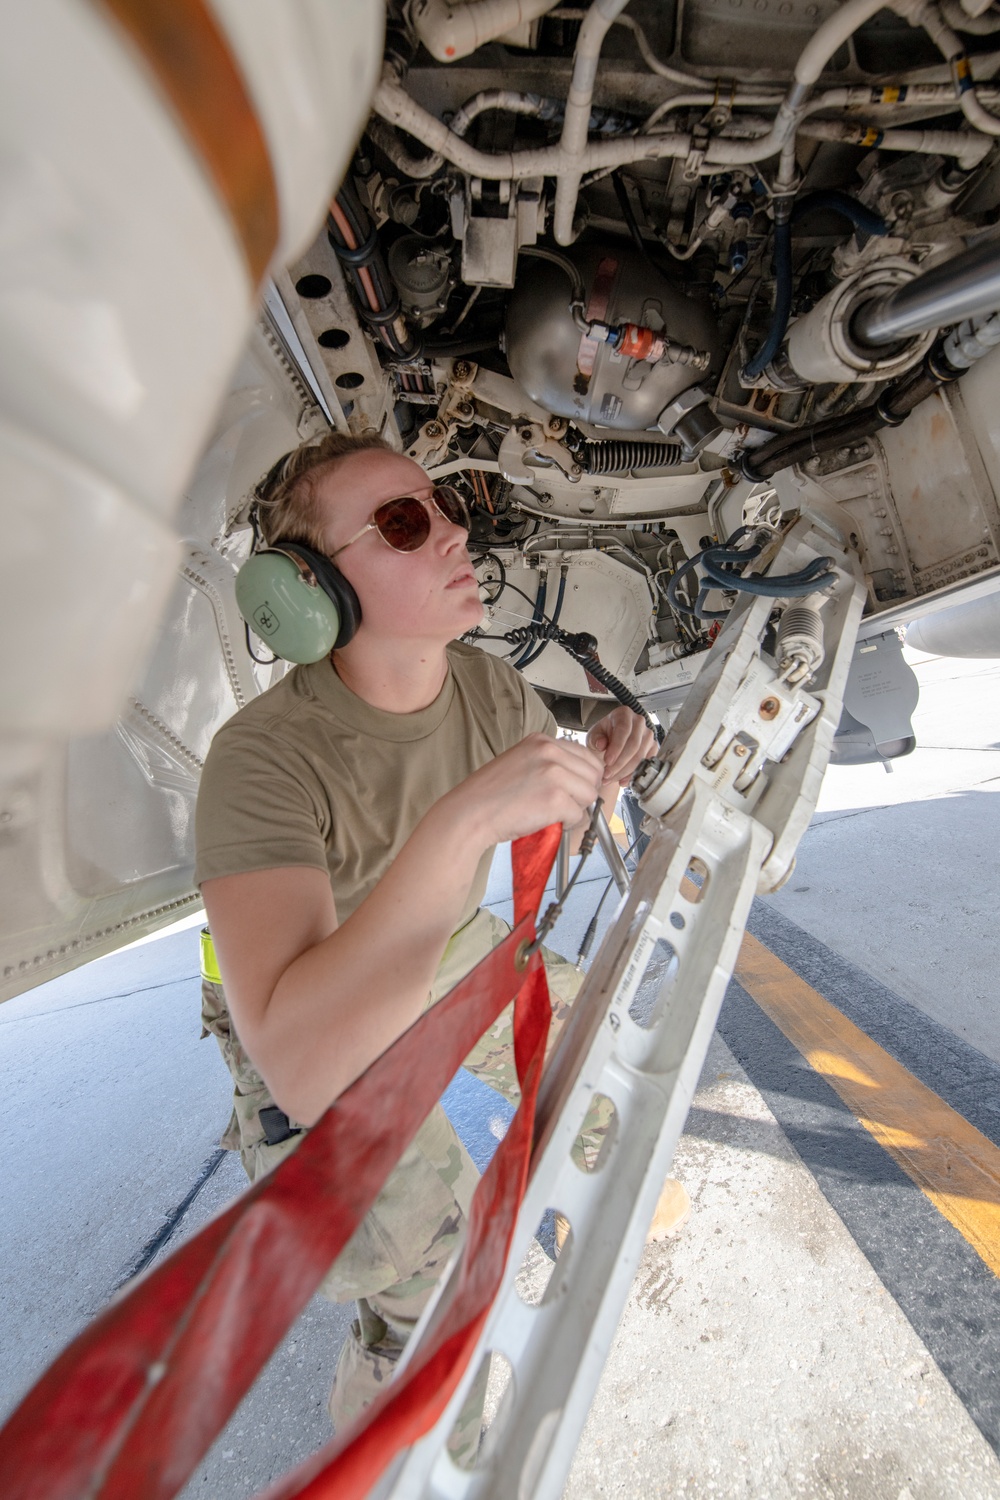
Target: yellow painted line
948	1159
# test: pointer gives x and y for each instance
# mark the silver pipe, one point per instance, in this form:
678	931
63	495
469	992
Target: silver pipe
562	864
961	288
613	855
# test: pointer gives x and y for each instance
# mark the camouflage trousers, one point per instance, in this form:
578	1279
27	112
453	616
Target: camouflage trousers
397	1255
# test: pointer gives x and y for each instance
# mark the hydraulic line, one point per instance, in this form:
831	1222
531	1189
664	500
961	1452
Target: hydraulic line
717	563
982	25
576	156
892	407
560	595
538	614
556	258
758	363
863	218
808	580
966	285
573	144
952	49
386	139
673	584
662	70
967	147
535	106
698	609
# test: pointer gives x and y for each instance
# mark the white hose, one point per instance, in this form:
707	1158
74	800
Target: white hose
972	339
833	33
575	155
595	27
420	167
392	103
849	97
649	57
813	59
952	49
982	25
708	97
510	100
966	147
450	31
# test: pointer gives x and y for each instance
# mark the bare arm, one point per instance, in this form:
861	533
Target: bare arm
314	1001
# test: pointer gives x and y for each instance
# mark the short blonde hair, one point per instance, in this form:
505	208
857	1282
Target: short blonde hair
285	502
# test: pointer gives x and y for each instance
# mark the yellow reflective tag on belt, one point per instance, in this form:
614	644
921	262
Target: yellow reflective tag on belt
209	962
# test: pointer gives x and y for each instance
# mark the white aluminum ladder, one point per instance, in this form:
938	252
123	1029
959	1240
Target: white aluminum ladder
730	794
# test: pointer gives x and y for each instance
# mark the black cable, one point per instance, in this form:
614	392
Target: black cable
260	660
889	410
483	556
701	611
367	255
628	213
695	561
537	613
591	932
560	594
526	597
583	649
673	584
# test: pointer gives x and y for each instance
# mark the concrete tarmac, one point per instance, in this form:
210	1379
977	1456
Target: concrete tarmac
816	1329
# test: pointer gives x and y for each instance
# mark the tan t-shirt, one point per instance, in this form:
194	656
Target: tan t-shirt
310	774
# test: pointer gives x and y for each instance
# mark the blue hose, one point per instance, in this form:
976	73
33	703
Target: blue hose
770	586
861	217
782	301
865	219
526	661
537	614
673	598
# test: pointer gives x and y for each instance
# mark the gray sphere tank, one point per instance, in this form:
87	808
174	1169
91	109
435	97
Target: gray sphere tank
544	342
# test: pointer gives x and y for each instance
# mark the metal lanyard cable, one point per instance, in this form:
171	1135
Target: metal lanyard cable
554	911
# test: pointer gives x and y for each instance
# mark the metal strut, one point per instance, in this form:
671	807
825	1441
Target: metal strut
730	792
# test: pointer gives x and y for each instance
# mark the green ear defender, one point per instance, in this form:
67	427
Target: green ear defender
297	602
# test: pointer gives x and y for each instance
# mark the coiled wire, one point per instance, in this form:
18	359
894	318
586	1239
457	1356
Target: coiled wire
583	649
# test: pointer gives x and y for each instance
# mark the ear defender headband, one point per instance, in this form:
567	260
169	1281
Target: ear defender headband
294	598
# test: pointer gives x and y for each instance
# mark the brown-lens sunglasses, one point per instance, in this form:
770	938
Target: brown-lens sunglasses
404	524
